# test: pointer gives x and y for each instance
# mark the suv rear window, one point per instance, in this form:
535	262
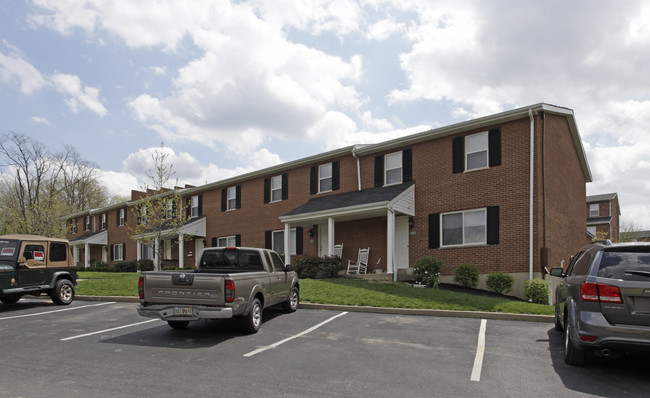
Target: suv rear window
614	264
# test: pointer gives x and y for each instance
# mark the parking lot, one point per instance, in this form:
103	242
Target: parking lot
104	349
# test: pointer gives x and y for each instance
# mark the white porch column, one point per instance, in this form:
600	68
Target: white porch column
287	244
87	255
330	236
390	243
75	254
181	251
138	245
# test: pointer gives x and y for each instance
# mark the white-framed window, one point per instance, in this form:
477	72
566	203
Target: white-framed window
122	216
227	241
118	252
476	151
325	177
467	227
195	206
393	168
232	198
104	225
143	215
276	188
148	251
88	224
278	241
592	230
594	210
73	227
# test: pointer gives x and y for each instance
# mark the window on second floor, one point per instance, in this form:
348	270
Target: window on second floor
594	210
73	226
104	222
276	188
121	218
325	177
393	168
476	151
231	198
88	224
194	206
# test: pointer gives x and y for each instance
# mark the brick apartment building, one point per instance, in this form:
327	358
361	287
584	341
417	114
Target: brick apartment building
480	191
603	213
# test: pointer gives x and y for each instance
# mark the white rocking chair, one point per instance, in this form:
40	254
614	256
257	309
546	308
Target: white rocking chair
338	250
361	265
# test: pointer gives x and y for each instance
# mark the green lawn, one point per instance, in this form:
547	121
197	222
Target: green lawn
343	292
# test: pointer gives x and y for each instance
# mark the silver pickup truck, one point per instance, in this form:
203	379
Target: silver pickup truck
229	282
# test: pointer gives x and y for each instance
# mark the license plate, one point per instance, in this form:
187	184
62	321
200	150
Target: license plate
183	311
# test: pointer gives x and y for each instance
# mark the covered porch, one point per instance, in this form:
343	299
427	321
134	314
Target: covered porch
375	218
94	245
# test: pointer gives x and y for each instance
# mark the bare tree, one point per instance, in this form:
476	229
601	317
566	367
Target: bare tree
160	212
630	232
37	187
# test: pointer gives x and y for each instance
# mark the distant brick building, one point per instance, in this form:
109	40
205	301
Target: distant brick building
603	214
460	193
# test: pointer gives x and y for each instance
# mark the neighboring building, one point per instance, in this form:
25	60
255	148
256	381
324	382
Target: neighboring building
603	213
460	193
635	236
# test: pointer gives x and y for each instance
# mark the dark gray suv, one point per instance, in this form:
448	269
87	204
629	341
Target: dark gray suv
603	301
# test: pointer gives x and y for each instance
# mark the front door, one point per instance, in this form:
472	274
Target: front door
401	242
198	250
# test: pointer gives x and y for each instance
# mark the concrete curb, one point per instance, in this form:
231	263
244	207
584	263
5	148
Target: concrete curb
380	310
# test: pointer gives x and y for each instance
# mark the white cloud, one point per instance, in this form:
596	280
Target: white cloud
41	120
15	68
77	94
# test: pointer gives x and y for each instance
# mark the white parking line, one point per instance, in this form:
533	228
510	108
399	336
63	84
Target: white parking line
108	330
311	329
480	350
53	311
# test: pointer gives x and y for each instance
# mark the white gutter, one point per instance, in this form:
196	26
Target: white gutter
354	153
531	198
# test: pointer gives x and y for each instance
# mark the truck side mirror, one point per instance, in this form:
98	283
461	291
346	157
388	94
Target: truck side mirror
288	268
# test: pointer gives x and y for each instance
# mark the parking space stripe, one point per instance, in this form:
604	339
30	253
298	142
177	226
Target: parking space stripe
480	350
108	330
53	311
311	329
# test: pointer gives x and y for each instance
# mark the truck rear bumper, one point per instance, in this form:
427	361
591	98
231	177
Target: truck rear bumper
171	312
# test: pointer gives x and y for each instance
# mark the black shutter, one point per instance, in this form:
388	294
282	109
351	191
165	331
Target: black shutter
117	217
238	197
434	231
200	205
458	154
174	208
126	210
214	242
494	147
188	208
111	252
268	239
238	240
407	165
267	190
379	171
336	172
493	225
224	199
313	180
285	186
299	233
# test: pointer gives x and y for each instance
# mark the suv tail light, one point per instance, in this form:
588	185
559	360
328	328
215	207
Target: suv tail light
230	291
600	292
141	287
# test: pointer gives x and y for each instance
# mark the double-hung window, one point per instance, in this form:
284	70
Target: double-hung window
393	168
594	210
118	252
278	241
104	224
476	151
464	228
73	228
276	188
195	206
325	177
169	212
227	241
122	216
232	198
87	228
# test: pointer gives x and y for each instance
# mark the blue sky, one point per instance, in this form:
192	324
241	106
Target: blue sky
235	86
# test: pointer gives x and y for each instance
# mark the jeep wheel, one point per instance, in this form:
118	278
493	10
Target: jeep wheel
252	322
12	299
291	305
178	325
63	292
572	355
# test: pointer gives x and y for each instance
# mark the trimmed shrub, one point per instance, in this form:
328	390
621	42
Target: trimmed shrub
500	282
129	266
145	265
310	267
426	271
466	275
537	291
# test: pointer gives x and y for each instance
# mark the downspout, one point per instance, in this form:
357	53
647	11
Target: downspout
354	153
531	198
390	242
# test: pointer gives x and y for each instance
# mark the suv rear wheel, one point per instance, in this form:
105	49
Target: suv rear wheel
572	355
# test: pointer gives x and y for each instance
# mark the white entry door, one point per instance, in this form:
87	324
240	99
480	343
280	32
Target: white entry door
401	242
198	251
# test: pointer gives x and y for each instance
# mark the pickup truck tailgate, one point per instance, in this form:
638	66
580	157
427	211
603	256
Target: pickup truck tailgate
184	288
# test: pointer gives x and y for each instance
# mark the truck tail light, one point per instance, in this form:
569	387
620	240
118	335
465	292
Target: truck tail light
230	291
141	287
600	292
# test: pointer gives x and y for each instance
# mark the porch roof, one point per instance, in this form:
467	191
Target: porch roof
354	205
194	226
91	238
